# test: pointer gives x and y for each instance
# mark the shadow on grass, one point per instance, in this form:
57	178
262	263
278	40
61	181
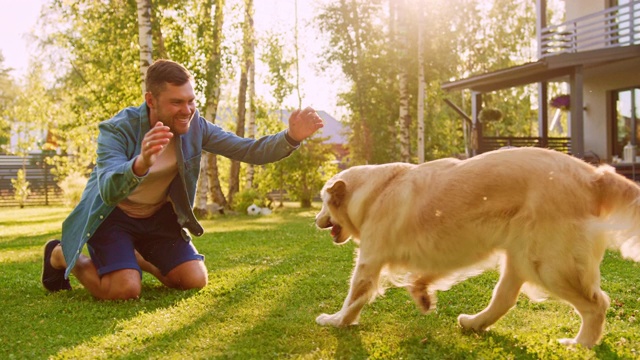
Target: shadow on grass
22	241
37	324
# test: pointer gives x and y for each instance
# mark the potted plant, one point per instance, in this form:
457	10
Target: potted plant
489	114
561	102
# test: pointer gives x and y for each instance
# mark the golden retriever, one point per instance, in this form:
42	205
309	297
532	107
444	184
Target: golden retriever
547	216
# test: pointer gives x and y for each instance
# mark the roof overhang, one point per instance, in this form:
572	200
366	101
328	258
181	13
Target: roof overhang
553	67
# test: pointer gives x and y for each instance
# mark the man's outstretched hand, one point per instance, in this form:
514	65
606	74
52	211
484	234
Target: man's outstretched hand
304	123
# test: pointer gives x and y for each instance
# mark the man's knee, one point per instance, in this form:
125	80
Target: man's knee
189	275
122	285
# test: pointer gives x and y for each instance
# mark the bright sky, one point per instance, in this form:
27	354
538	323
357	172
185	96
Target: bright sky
18	18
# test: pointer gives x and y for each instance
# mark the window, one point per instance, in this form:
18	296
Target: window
625	121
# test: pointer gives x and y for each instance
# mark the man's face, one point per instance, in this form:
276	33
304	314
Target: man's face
174	107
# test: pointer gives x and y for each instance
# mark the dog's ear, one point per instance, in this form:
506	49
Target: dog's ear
338	191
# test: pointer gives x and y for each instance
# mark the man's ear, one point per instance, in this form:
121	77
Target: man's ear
148	98
338	192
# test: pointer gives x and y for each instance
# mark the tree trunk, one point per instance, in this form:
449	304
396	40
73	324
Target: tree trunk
252	88
403	83
145	39
209	181
421	85
234	178
393	123
158	38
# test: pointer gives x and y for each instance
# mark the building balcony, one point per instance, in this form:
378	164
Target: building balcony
614	27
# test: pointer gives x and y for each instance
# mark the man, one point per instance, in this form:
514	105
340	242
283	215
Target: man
136	211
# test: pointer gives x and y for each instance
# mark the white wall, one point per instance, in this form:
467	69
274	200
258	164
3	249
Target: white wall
578	8
597	82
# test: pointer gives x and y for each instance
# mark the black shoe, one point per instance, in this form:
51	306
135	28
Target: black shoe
53	279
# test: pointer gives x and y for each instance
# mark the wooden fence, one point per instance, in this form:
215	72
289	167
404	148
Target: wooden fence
44	189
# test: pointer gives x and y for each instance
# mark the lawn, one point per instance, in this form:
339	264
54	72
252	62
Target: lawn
269	277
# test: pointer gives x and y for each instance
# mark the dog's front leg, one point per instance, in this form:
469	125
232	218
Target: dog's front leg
364	284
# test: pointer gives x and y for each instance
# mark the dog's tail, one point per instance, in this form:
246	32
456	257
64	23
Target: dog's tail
620	208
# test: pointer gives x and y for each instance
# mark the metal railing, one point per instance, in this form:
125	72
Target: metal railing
488	143
614	27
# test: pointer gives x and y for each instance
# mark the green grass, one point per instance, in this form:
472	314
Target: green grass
269	277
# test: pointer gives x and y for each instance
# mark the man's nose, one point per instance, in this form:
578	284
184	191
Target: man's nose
187	108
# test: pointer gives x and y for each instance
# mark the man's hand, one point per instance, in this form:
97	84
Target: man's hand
304	123
152	144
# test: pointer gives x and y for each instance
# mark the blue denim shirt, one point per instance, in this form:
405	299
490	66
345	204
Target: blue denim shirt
112	179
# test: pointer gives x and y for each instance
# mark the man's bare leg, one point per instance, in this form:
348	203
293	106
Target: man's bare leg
188	275
126	283
118	285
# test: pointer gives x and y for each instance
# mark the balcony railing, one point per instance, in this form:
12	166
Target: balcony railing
614	27
488	143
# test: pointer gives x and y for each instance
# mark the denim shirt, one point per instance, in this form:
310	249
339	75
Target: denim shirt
112	179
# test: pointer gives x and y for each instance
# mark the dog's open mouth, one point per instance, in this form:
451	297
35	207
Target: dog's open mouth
335	232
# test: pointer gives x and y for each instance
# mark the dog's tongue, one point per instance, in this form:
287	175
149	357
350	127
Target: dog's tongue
335	230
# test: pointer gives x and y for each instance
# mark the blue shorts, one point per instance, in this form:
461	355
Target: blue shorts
157	238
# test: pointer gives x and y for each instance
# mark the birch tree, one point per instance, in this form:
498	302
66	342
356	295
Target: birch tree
209	181
145	39
234	178
421	84
403	79
251	73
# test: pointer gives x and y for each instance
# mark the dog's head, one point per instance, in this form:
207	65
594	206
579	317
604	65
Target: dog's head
333	214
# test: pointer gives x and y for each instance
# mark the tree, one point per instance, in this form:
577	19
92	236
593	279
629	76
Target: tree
359	46
307	169
460	38
21	187
251	78
209	181
421	84
90	86
145	38
29	115
234	178
402	40
7	96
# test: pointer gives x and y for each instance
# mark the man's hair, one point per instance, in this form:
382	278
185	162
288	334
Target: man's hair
164	71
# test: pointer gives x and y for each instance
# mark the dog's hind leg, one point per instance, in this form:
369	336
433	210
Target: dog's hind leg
592	311
581	289
419	290
364	285
504	298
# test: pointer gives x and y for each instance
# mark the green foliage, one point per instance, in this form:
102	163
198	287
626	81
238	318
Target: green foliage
303	173
269	277
7	96
72	187
462	37
307	169
245	198
20	186
279	68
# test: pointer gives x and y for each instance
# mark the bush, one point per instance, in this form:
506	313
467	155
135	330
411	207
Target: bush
21	187
245	198
72	186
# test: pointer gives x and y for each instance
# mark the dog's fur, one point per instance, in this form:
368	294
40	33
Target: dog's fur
548	216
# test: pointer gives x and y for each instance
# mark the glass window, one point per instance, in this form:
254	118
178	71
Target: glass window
627	113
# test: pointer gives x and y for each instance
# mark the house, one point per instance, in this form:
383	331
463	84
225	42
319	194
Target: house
333	130
596	52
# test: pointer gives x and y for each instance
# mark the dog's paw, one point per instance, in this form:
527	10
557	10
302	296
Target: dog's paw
575	342
327	319
567	342
469	322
